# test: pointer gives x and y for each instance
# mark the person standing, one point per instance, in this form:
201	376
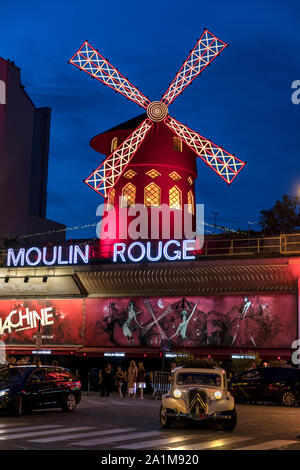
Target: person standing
141	379
106	380
120	376
131	379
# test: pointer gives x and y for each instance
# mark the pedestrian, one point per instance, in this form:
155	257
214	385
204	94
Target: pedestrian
131	379
141	379
106	381
119	380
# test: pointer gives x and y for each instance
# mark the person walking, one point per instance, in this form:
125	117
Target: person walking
131	379
141	379
120	376
106	381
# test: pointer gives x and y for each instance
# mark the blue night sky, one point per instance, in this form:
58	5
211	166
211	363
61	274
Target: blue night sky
241	102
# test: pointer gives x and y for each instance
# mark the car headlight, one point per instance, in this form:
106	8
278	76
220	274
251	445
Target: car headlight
4	392
218	395
177	393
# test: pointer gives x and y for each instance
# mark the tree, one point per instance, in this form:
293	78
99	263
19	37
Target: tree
284	217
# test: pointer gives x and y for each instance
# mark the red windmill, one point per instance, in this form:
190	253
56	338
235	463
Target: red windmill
163	169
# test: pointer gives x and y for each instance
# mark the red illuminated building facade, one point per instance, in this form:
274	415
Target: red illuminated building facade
214	307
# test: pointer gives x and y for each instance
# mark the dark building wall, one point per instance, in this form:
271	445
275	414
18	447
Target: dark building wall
24	147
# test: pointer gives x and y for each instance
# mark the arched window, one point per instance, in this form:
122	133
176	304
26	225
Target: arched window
114	144
128	195
152	195
175	198
177	144
190	199
111	198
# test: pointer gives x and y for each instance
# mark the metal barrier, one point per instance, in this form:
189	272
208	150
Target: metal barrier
285	244
161	383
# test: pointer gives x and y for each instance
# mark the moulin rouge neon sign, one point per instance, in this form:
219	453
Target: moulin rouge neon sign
35	256
172	250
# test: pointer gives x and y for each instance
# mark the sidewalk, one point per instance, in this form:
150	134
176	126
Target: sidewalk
115	395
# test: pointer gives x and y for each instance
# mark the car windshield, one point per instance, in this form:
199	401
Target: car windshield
13	374
199	378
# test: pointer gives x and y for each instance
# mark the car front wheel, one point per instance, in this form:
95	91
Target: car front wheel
230	424
70	403
288	398
165	420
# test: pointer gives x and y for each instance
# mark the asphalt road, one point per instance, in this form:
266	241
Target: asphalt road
113	423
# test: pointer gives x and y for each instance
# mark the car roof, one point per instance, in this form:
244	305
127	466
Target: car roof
199	369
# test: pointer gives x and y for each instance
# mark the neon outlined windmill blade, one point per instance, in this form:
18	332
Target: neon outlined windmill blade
208	47
103	179
226	165
90	61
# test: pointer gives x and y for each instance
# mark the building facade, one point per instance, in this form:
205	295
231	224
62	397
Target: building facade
24	149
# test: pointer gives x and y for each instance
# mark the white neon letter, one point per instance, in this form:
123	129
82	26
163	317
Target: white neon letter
186	248
143	252
84	257
15	259
39	256
177	254
119	252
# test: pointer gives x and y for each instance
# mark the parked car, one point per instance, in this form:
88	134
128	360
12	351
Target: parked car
198	394
274	384
24	388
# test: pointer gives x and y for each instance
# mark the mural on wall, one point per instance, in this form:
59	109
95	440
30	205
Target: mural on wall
58	320
253	321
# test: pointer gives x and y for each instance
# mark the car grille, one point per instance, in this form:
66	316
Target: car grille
197	401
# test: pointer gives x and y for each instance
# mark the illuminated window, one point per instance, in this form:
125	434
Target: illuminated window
190	198
175	198
152	195
130	174
128	195
177	144
190	181
153	174
111	197
114	144
175	176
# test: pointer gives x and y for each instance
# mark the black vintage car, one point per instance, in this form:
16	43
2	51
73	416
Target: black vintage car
24	388
273	384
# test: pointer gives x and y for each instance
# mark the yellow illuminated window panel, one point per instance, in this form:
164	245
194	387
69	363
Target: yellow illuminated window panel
152	195
190	181
128	195
175	176
190	198
175	198
114	144
130	174
153	173
177	144
111	197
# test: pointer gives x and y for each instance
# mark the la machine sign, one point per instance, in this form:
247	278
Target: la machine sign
46	256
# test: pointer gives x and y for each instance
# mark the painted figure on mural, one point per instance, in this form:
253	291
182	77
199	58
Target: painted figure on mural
182	327
244	324
127	328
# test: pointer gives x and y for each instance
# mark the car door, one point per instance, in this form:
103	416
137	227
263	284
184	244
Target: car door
36	389
247	386
53	379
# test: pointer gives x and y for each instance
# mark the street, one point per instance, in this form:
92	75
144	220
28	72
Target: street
116	424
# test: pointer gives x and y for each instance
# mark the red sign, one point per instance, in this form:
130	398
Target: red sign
59	321
254	321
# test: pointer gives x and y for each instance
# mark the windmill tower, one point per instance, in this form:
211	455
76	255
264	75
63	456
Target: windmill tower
150	160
